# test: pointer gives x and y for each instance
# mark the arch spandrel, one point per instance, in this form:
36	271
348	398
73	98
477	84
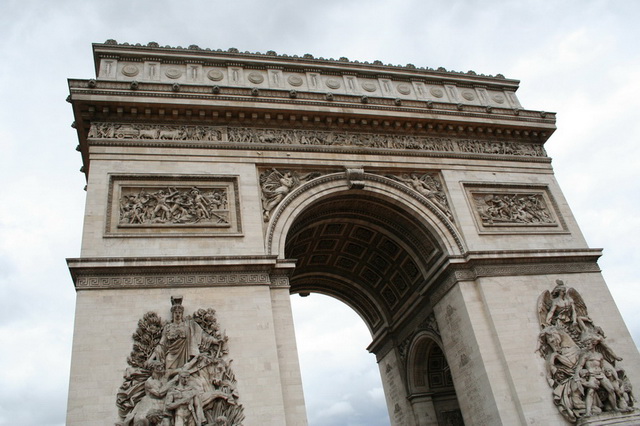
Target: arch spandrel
426	213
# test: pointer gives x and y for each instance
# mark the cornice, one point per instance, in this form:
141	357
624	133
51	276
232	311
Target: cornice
280	100
143	272
477	264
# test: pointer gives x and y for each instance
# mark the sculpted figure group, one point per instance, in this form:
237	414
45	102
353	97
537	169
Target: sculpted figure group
174	206
429	186
277	184
581	367
179	373
512	208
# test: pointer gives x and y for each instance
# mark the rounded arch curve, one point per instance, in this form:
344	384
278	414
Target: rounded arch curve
418	361
373	247
430	217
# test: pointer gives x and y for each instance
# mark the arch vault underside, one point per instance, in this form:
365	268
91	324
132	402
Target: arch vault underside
363	251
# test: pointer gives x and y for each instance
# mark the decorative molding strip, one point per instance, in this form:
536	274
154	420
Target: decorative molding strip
279	281
160	280
463	272
233	53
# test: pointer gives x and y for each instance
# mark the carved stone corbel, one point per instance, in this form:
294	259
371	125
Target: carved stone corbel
355	178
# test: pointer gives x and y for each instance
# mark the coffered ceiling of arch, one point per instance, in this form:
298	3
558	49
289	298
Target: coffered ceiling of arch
368	253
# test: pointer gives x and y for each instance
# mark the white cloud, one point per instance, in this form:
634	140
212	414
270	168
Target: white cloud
577	58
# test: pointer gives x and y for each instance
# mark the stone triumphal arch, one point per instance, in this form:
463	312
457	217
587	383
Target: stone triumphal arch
220	182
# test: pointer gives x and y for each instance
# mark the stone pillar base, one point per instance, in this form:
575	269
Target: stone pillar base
632	418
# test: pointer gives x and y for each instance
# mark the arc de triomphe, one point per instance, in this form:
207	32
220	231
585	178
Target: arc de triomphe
221	182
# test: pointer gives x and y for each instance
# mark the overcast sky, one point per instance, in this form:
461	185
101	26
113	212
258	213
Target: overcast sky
578	58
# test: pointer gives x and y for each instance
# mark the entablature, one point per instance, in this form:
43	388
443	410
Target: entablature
198	87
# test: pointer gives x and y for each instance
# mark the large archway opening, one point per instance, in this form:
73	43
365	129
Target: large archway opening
375	254
340	378
364	250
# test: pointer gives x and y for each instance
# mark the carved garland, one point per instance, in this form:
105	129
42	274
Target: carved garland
179	373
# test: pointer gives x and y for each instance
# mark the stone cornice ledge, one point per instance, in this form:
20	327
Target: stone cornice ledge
499	256
474	265
153	272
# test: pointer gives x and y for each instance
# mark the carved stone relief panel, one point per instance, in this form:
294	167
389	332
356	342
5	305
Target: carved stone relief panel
429	185
313	139
514	208
159	132
179	372
275	185
583	370
146	205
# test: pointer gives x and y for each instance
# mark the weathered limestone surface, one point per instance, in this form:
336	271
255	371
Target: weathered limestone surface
422	198
105	320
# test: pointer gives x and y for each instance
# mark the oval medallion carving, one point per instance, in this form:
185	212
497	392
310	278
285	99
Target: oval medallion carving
256	78
405	89
437	92
499	99
369	86
468	95
130	70
173	73
215	75
295	80
332	83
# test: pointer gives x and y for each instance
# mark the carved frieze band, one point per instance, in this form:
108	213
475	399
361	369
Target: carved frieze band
182	280
167	205
514	208
222	135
